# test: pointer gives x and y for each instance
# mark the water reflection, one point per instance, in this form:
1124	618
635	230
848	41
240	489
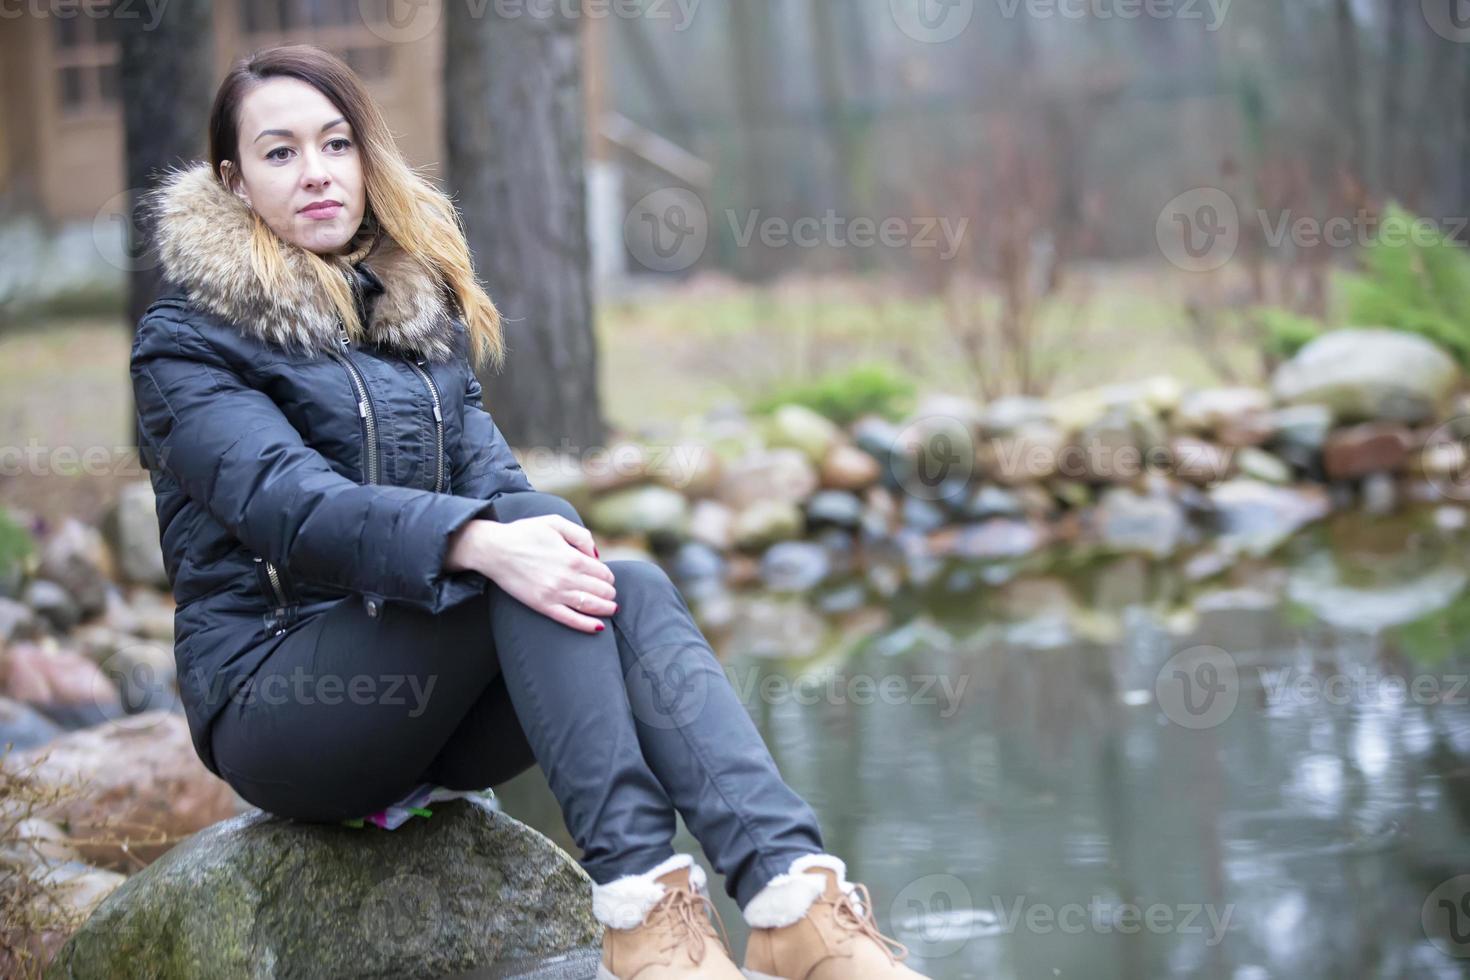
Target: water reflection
1116	773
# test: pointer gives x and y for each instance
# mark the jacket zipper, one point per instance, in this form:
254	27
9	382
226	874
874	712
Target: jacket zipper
438	427
364	404
279	592
372	603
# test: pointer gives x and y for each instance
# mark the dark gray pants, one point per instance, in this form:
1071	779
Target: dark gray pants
350	713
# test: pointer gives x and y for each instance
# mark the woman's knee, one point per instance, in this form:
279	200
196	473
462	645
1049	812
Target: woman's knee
534	503
634	576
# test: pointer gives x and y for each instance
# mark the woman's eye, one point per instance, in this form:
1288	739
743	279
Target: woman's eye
343	140
280	149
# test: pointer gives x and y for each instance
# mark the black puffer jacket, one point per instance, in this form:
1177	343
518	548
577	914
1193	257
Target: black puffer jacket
293	469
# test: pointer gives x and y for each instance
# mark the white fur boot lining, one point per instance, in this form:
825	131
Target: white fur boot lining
787	897
625	902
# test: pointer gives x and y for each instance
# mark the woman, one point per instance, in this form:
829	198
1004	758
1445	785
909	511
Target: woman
372	596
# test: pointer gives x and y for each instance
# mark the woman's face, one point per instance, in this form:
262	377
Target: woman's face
299	165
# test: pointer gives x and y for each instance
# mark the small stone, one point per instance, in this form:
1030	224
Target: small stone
799	427
794	566
834	508
1260	465
846	467
1374	447
765	522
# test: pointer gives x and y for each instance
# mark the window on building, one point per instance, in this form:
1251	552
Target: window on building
86	57
336	25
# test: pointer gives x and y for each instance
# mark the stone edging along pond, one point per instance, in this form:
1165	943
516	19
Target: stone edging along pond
1364	418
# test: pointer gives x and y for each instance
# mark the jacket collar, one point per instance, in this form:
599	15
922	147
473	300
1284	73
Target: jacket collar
202	232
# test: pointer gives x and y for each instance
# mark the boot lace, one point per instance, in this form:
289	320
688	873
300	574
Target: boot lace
682	913
854	912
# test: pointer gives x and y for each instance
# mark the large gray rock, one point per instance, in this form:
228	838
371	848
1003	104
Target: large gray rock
466	890
1369	375
131	528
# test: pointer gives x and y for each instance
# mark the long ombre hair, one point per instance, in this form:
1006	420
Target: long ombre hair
400	203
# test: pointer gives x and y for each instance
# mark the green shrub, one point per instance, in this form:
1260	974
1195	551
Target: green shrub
15	546
847	395
1287	332
1413	278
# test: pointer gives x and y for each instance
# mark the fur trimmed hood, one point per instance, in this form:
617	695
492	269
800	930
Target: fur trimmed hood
202	232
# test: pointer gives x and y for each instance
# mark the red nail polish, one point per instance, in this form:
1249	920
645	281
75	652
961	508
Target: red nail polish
596	552
599	627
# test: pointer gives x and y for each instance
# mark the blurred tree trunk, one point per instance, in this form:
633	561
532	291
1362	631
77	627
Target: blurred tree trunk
166	79
165	76
1347	90
844	140
1395	12
756	59
514	110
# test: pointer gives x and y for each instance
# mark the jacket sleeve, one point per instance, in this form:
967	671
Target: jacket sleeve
231	450
486	468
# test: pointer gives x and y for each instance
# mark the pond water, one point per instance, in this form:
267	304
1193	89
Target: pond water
1114	772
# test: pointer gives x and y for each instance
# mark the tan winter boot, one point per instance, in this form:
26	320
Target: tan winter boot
657	927
811	924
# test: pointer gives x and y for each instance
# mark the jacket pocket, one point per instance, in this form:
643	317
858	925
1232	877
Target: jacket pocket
280	609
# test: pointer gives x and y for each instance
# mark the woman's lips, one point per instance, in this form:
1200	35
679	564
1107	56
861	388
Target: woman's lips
322	212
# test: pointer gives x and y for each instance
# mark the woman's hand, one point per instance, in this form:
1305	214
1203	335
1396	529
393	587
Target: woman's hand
547	562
